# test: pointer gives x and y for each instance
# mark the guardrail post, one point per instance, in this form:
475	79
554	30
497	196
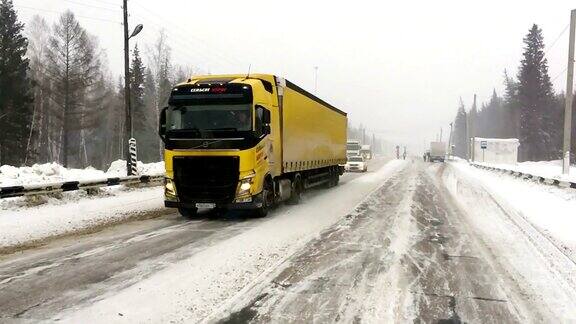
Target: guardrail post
133	157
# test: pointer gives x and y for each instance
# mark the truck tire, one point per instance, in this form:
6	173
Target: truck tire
267	200
297	188
189	213
331	179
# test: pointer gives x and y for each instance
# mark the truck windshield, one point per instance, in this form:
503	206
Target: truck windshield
211	117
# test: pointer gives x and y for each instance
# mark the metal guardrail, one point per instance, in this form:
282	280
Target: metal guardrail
527	176
50	188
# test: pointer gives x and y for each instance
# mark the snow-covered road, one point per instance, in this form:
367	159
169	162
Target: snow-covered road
406	242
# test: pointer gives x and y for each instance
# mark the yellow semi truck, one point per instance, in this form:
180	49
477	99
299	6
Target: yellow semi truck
247	142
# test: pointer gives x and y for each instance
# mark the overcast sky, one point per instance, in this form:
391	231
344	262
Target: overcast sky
397	67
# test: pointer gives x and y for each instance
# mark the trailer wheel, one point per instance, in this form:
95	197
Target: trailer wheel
189	213
330	183
267	200
297	188
334	178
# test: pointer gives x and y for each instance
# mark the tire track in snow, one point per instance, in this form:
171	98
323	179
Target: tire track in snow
343	273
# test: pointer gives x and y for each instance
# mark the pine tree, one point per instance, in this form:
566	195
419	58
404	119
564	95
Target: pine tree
15	98
145	134
536	100
137	71
460	130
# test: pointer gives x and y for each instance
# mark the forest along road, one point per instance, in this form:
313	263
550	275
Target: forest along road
411	254
40	283
391	245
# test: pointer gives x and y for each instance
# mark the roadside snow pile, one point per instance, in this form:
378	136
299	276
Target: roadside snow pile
53	172
22	227
118	168
546	169
45	173
549	209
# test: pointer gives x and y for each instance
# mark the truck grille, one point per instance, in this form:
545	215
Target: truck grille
206	178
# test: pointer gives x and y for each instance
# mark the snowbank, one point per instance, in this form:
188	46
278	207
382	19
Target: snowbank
25	226
550	209
53	172
546	169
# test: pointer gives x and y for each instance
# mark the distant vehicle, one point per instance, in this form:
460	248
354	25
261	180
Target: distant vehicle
437	152
353	148
356	163
366	152
247	142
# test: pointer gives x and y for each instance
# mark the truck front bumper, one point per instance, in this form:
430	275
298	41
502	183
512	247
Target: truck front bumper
254	204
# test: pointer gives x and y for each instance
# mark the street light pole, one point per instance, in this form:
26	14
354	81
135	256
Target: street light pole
128	119
128	110
569	96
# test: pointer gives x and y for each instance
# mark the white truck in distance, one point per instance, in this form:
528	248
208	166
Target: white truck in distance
366	152
437	151
353	147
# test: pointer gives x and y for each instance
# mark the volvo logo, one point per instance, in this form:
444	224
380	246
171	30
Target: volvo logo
205	144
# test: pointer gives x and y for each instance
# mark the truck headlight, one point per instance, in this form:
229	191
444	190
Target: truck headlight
245	185
169	188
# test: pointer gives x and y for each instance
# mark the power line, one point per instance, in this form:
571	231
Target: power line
106	3
556	40
559	74
181	44
231	60
91	6
60	12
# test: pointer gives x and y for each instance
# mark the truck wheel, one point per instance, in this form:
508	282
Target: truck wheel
330	183
189	213
296	195
267	200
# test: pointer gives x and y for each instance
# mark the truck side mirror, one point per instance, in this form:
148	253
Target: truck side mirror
266	122
162	125
266	117
266	129
263	115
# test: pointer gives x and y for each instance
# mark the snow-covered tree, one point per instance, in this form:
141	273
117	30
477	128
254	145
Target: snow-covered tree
535	99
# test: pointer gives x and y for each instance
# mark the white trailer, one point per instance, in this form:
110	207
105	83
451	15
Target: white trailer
437	151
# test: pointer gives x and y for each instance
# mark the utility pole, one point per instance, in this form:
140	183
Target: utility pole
440	135
127	108
569	96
